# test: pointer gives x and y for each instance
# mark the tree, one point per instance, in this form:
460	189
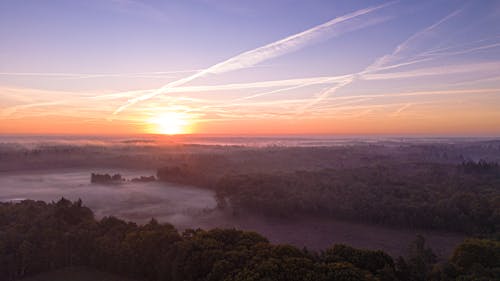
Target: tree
419	261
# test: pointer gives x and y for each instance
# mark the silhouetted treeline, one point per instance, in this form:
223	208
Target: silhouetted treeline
117	178
138	155
482	167
106	178
415	196
189	175
144	179
464	197
37	237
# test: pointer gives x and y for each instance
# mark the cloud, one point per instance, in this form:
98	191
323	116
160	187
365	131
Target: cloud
401	109
325	94
266	52
390	58
466	51
157	74
489	67
286	108
133	7
406	60
380	63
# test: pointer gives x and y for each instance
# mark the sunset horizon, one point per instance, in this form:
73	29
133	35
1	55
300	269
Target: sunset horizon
249	140
384	67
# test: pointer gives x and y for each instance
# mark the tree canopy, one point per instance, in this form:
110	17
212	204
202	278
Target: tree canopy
36	237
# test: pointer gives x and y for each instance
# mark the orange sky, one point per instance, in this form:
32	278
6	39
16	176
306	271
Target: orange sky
458	121
360	68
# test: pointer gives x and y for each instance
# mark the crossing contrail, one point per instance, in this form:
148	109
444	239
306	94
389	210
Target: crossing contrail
266	52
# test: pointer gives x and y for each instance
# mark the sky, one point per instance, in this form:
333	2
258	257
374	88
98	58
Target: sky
250	67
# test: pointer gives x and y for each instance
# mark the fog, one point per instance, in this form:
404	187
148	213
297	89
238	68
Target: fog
191	207
53	167
139	202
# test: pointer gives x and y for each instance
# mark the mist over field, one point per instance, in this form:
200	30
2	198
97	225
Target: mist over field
306	191
139	202
250	140
51	168
191	207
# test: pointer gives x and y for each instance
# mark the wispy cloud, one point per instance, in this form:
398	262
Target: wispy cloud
62	75
323	95
309	97
490	67
401	109
391	58
465	51
133	7
350	105
266	52
385	62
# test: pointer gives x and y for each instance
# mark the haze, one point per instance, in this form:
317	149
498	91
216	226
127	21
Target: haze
252	67
223	140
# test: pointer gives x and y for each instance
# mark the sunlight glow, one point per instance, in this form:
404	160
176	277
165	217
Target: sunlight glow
170	123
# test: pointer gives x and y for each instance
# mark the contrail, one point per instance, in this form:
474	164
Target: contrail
401	109
491	67
255	56
466	51
380	63
325	94
404	45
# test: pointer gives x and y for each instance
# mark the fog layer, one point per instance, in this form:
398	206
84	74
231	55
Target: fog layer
135	201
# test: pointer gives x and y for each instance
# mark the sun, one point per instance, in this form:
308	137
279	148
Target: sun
170	123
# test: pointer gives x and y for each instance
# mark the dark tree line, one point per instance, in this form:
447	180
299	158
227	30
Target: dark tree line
463	198
37	237
481	167
117	178
105	178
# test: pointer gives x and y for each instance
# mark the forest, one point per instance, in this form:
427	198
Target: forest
448	187
461	197
36	237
